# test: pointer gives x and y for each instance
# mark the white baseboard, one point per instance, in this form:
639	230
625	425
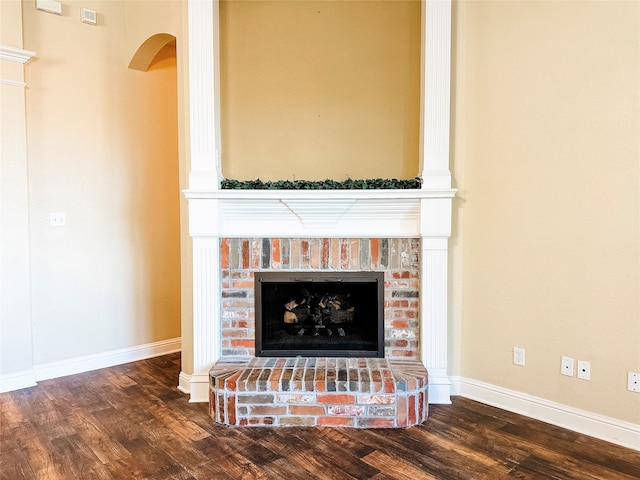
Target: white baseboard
196	386
17	380
71	366
610	429
439	391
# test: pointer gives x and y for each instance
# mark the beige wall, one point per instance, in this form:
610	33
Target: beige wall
103	148
15	314
320	90
546	156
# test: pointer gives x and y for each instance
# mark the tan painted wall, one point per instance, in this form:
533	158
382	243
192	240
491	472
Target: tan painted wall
320	90
546	156
15	322
103	148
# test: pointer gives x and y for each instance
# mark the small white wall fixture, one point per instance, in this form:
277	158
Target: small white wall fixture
216	213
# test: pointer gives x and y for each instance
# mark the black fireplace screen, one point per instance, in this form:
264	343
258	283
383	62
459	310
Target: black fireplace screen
319	314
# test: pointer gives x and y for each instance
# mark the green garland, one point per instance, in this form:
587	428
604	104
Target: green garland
349	184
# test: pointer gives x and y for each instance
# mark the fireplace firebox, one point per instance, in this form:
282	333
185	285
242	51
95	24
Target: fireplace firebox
319	314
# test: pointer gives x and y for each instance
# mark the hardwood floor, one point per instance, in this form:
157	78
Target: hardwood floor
130	422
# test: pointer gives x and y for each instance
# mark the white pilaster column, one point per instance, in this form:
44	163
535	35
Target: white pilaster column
204	229
435	222
435	93
204	94
433	334
435	227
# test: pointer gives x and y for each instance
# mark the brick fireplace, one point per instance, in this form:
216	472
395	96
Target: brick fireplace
225	221
384	392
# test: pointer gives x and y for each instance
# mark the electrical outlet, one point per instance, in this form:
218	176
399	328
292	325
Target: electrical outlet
57	219
633	382
584	370
567	366
518	356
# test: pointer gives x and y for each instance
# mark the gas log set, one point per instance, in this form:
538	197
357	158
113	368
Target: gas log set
312	314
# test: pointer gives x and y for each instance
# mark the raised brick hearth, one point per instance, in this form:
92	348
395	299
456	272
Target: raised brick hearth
338	392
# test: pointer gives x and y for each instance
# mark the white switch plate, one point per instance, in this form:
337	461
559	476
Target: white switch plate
584	370
566	367
633	382
57	219
518	356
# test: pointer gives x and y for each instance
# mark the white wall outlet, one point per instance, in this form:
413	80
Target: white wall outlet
584	370
566	367
518	356
633	382
57	219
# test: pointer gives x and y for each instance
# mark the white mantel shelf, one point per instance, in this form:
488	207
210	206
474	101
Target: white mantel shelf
319	195
320	213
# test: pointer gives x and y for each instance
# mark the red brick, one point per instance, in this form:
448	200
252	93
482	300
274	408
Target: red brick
231	409
336	398
335	253
307	410
344	253
354	254
335	421
231	383
375	252
403	353
297	421
402	411
375	423
245	253
221	407
349	410
243	343
275	251
304	253
295	253
324	255
256	258
373	399
399	324
224	253
242	284
314	253
412	420
212	404
267	409
234	332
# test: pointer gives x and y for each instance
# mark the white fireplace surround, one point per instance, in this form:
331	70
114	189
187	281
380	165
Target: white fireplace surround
420	213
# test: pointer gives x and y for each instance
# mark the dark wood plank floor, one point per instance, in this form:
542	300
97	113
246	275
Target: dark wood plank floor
130	422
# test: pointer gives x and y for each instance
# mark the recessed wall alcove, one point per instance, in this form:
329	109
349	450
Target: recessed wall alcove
217	216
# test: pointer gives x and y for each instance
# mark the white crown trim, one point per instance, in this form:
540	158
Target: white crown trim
14	54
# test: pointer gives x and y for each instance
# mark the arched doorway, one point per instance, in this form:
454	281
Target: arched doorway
156	202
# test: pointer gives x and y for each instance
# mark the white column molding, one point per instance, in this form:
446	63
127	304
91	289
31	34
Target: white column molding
206	316
434	318
435	93
203	61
